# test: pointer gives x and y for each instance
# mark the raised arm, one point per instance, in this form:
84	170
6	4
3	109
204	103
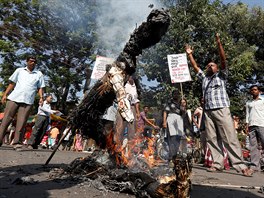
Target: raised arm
189	52
221	52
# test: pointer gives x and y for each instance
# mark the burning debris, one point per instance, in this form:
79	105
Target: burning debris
158	181
138	170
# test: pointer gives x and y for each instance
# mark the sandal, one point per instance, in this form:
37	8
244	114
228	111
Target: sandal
214	170
247	172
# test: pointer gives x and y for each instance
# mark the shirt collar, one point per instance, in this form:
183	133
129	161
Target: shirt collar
259	98
34	70
132	85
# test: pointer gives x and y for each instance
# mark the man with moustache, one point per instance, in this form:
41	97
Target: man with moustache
255	126
19	98
218	120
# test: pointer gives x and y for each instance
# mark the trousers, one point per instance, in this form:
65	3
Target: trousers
219	125
11	109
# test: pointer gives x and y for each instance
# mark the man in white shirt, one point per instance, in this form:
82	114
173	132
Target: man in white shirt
25	82
255	126
41	123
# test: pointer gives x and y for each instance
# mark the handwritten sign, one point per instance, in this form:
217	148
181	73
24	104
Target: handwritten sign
178	67
99	67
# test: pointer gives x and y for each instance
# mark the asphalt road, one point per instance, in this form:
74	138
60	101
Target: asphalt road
39	184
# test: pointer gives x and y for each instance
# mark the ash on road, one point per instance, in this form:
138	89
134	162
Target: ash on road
23	175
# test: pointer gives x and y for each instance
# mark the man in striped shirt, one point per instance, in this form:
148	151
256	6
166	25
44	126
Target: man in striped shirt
218	120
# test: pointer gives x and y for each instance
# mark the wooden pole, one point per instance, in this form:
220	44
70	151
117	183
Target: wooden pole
181	90
56	148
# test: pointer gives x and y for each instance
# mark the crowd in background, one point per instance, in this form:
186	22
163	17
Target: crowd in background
216	131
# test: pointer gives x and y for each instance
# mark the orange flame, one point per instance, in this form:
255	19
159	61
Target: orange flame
124	154
166	179
149	152
116	150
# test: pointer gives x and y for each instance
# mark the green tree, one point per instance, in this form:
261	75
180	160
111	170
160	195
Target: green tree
61	36
195	22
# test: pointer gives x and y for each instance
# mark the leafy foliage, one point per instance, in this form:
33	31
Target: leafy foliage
63	47
62	33
195	22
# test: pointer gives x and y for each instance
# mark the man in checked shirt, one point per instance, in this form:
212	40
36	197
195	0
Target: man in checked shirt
218	120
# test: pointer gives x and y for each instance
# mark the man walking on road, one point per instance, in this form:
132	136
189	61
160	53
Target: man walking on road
42	122
218	120
255	126
24	82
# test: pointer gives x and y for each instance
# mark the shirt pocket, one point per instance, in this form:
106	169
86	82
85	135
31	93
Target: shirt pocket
215	85
260	106
33	82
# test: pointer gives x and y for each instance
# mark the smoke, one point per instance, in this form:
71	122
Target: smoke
117	20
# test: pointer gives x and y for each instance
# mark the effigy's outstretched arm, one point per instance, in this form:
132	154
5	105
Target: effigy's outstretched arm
117	77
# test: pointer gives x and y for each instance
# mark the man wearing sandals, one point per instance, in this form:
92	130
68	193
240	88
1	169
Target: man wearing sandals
218	120
255	126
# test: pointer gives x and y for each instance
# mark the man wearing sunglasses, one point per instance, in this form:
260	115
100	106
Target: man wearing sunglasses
19	98
218	120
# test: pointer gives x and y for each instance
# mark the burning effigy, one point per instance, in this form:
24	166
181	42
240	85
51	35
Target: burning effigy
86	117
141	172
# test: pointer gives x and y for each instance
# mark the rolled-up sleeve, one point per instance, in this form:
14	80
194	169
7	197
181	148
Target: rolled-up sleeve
200	74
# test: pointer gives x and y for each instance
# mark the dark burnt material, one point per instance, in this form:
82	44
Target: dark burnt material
133	181
86	117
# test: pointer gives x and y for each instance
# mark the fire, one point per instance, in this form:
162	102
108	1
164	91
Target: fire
140	159
149	152
128	151
166	179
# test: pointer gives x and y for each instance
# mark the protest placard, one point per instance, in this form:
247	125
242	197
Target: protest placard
99	67
178	67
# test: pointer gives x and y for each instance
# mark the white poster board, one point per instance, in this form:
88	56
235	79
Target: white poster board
99	67
178	66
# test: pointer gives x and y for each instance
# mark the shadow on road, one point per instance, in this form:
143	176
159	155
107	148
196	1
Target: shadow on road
28	181
41	184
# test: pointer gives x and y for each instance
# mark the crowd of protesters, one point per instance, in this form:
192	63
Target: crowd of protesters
217	130
19	98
